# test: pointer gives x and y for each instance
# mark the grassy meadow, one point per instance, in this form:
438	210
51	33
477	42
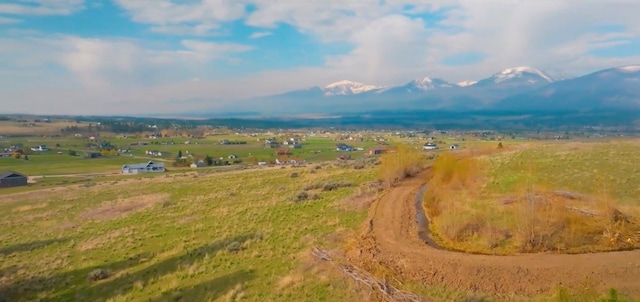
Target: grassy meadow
315	149
181	237
560	197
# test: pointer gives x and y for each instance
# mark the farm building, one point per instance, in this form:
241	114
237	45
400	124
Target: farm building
40	148
143	168
9	179
289	161
6	155
429	146
92	154
454	146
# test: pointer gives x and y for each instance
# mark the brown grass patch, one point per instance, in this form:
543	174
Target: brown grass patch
103	240
532	219
122	207
360	200
29	207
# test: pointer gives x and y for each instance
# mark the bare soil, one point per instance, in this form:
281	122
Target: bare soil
389	239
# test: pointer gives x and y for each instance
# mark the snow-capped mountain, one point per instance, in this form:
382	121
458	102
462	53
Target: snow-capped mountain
466	83
517	88
347	88
420	85
523	75
614	88
427	83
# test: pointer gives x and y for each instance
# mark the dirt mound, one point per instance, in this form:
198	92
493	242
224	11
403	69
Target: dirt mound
390	238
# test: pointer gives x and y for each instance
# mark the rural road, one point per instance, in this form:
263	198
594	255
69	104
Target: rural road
390	237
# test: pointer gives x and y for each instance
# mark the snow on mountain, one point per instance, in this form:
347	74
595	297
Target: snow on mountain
347	88
427	83
466	83
629	68
519	72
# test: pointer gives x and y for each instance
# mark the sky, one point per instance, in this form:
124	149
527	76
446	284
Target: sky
167	56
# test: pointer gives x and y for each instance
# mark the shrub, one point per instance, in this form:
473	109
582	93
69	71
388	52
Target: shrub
294	175
333	185
301	196
234	247
98	274
314	186
395	166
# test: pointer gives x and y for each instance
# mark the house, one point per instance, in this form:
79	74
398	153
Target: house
9	179
429	146
454	146
344	147
289	161
143	168
262	164
377	151
92	154
272	144
198	164
40	148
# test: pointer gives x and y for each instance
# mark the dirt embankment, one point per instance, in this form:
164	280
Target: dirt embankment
390	238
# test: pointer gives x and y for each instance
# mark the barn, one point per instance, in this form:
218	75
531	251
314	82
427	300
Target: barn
9	179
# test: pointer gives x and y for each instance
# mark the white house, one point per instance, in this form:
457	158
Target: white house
143	168
429	146
289	161
40	148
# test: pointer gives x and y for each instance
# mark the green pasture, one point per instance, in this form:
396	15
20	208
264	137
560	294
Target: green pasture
229	236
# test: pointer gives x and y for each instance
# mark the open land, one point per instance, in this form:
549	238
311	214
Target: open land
239	231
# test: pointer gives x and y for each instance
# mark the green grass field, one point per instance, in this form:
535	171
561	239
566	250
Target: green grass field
608	168
547	196
315	149
183	237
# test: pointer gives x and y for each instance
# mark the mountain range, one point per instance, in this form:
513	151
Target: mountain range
512	89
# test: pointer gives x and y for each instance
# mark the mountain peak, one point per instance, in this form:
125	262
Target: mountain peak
346	87
343	83
629	68
466	83
517	72
428	83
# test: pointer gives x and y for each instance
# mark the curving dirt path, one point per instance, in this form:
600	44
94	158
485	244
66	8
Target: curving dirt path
389	238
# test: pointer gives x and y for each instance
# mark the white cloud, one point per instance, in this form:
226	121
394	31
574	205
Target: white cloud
42	7
4	20
172	18
260	34
390	44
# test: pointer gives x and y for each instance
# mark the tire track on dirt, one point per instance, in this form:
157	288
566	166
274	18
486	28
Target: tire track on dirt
390	238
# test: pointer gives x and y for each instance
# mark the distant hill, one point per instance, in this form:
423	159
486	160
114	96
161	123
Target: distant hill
515	89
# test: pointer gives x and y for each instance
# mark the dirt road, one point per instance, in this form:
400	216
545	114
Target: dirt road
390	238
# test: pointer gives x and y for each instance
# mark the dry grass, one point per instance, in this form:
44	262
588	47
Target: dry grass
400	163
20	129
467	214
122	207
362	198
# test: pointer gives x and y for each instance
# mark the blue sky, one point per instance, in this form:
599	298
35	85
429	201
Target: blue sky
126	56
